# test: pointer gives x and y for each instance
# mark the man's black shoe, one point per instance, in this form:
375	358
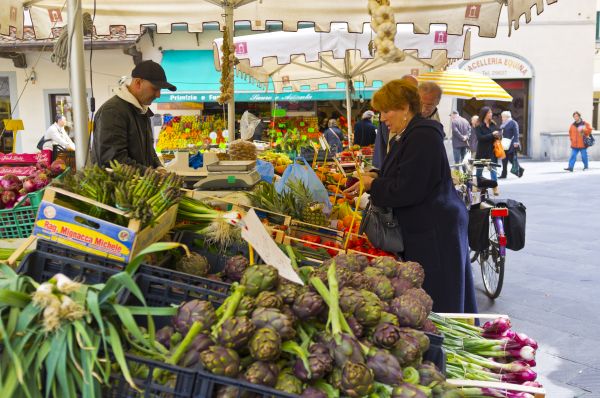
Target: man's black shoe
568	169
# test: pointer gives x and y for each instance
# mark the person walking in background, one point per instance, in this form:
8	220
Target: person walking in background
364	130
487	132
332	125
56	135
473	136
430	94
577	131
461	130
510	130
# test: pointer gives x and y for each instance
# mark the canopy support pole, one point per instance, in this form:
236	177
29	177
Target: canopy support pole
77	76
229	24
348	100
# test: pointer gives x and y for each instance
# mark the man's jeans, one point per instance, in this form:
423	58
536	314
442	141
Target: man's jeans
584	157
493	173
459	154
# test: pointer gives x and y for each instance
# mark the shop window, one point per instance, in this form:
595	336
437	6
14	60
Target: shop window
6	139
61	104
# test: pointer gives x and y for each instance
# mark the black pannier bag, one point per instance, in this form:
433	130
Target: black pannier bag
479	222
514	224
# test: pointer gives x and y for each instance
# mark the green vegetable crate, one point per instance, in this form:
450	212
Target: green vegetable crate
18	222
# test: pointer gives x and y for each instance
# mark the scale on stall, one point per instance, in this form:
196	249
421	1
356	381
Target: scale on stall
215	174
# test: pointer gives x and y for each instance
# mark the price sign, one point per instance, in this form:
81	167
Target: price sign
254	232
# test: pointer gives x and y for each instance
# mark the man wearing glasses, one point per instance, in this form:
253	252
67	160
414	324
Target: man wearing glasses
122	126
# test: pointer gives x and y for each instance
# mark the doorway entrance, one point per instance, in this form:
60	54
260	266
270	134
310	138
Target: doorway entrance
519	108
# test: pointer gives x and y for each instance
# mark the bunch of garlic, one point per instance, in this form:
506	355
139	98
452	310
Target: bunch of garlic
384	23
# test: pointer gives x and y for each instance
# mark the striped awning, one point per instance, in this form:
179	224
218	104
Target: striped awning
463	84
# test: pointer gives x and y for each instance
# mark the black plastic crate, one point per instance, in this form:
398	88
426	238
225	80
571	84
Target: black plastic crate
436	353
216	258
42	266
184	383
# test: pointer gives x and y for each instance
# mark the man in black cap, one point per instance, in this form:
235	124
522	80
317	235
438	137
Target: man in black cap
122	127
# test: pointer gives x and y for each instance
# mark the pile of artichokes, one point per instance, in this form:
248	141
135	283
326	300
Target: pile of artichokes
354	330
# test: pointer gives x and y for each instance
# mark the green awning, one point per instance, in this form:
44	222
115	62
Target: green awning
197	80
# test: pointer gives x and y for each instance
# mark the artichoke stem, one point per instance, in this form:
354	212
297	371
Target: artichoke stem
291	347
229	308
411	375
185	343
322	290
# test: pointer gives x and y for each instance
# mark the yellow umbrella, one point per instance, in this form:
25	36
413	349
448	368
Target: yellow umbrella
462	84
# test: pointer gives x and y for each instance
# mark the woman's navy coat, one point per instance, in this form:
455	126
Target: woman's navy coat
415	181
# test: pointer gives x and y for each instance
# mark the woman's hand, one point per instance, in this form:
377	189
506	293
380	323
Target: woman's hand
497	134
354	189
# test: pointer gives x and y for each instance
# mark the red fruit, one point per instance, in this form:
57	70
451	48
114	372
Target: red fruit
311	238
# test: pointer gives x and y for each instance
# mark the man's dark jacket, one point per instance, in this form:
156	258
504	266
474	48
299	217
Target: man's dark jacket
364	133
415	182
122	133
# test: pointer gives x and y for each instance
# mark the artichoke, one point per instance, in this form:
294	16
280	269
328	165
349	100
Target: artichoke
357	329
235	267
419	336
246	306
357	380
276	320
163	336
429	327
428	373
388	317
288	291
263	373
382	287
221	361
289	383
269	300
349	298
411	271
232	392
194	311
320	362
407	390
358	280
348	350
422	296
368	313
351	262
201	342
311	392
372	271
407	351
259	278
401	286
387	265
409	310
386	368
194	264
265	345
236	332
386	335
308	305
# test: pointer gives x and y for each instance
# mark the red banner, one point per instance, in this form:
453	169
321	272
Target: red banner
18	171
26	158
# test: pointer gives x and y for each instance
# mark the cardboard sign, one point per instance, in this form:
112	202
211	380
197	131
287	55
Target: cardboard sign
324	143
44	156
254	232
18	171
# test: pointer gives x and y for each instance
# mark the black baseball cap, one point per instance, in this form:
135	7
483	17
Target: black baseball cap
154	73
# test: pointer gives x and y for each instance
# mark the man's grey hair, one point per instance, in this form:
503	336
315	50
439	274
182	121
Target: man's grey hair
332	123
506	114
431	87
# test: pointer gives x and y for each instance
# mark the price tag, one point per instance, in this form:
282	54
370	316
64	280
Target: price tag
230	179
282	125
324	143
301	124
311	130
254	232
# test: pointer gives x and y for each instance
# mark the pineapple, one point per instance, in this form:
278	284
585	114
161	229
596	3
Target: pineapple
311	212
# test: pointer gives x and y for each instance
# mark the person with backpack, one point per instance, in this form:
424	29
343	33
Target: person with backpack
56	135
580	134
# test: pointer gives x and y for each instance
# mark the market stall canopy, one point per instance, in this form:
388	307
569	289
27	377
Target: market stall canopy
133	14
462	84
308	60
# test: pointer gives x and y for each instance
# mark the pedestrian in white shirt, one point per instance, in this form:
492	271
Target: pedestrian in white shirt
56	135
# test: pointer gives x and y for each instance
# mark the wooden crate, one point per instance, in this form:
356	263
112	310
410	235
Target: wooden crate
311	251
58	222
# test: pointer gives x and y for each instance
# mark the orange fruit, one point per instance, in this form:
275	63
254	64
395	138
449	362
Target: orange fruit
341	201
347	221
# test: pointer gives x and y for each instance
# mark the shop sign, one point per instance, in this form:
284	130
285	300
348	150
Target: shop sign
499	66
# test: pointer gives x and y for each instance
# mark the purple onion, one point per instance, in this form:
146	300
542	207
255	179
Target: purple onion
10	182
497	326
519	377
524	340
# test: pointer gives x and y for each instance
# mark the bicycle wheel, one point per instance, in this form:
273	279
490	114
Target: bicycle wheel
492	262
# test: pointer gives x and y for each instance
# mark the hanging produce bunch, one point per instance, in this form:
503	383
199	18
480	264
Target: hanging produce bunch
384	23
227	68
143	195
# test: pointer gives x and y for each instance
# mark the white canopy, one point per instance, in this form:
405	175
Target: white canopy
456	14
309	59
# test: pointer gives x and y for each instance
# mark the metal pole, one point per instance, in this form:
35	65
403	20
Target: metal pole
349	113
77	75
229	24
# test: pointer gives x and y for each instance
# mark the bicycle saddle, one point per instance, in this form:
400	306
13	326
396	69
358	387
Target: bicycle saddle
484	183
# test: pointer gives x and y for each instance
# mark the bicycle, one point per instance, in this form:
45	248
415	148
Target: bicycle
491	257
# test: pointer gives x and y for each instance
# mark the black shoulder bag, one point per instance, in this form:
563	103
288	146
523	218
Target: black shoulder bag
382	229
